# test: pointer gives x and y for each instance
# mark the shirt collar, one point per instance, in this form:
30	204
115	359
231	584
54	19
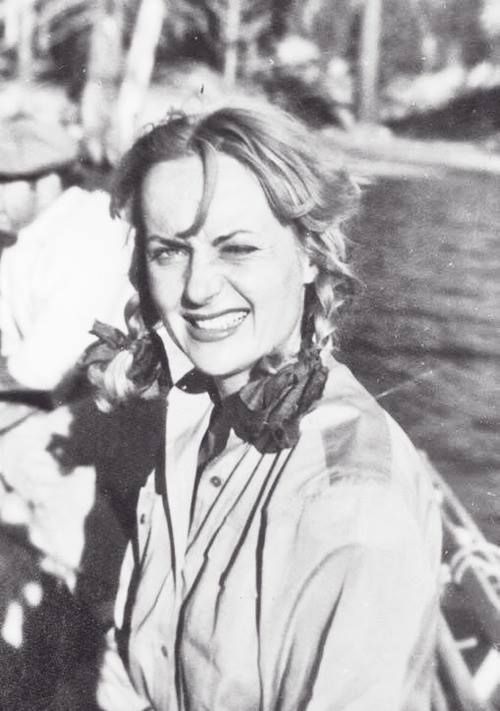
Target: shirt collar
178	362
183	374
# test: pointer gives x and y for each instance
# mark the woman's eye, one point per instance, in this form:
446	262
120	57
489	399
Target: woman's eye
167	253
239	249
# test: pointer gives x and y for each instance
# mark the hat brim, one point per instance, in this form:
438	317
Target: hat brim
30	148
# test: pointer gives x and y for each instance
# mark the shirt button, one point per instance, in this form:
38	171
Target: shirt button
216	481
142	518
164	651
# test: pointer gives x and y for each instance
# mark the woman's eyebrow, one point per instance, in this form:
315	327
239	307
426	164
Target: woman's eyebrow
180	238
160	238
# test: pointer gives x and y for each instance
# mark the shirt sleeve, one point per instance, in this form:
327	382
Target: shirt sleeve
350	622
115	691
61	331
69	269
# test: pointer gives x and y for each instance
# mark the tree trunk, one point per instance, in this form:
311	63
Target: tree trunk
104	68
138	71
231	39
369	61
27	25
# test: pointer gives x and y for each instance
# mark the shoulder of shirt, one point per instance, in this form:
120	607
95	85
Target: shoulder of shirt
355	466
85	212
349	428
348	438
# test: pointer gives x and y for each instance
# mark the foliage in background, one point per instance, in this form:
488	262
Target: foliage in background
460	29
244	40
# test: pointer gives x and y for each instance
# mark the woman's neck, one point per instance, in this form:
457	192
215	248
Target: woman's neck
230	384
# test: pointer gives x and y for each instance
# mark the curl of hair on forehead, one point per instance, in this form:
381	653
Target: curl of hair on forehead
208	157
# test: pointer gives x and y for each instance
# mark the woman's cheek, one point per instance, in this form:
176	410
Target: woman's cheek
165	290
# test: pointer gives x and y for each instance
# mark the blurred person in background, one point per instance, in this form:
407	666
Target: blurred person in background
287	545
52	285
64	263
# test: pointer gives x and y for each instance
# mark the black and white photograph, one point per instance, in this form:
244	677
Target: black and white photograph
249	355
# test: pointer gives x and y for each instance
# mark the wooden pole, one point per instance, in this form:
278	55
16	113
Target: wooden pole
232	36
456	673
369	61
138	70
462	534
439	701
104	67
27	24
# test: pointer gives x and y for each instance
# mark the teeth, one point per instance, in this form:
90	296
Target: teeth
220	322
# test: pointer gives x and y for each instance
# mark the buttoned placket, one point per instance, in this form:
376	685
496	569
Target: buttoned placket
208	485
187	421
208	489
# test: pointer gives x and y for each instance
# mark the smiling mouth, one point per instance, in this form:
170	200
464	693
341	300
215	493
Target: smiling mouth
219	323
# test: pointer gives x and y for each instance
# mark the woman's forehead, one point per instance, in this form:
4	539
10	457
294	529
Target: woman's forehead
173	190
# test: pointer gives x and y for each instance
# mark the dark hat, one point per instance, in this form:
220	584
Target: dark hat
30	147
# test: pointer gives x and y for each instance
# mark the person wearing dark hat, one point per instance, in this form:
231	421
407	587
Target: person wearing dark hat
35	157
63	264
35	162
51	235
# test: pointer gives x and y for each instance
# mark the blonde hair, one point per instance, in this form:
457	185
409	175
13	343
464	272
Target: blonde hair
304	187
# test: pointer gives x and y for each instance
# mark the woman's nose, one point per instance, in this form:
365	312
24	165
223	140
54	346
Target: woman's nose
203	280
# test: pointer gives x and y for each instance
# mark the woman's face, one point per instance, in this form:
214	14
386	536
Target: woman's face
234	291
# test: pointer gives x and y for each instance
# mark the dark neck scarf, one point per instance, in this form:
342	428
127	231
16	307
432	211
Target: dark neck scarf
267	411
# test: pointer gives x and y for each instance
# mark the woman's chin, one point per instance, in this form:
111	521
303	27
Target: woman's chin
222	358
229	375
218	371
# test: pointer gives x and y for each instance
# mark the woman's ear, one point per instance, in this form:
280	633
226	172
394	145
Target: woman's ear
309	269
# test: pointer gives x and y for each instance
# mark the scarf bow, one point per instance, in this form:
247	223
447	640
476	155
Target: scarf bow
146	356
267	411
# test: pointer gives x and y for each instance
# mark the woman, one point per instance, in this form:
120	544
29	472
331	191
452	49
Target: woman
288	544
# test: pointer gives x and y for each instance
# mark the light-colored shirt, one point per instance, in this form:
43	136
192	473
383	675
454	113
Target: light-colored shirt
66	269
57	501
307	579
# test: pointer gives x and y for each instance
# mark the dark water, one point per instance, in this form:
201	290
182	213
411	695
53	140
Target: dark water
425	331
